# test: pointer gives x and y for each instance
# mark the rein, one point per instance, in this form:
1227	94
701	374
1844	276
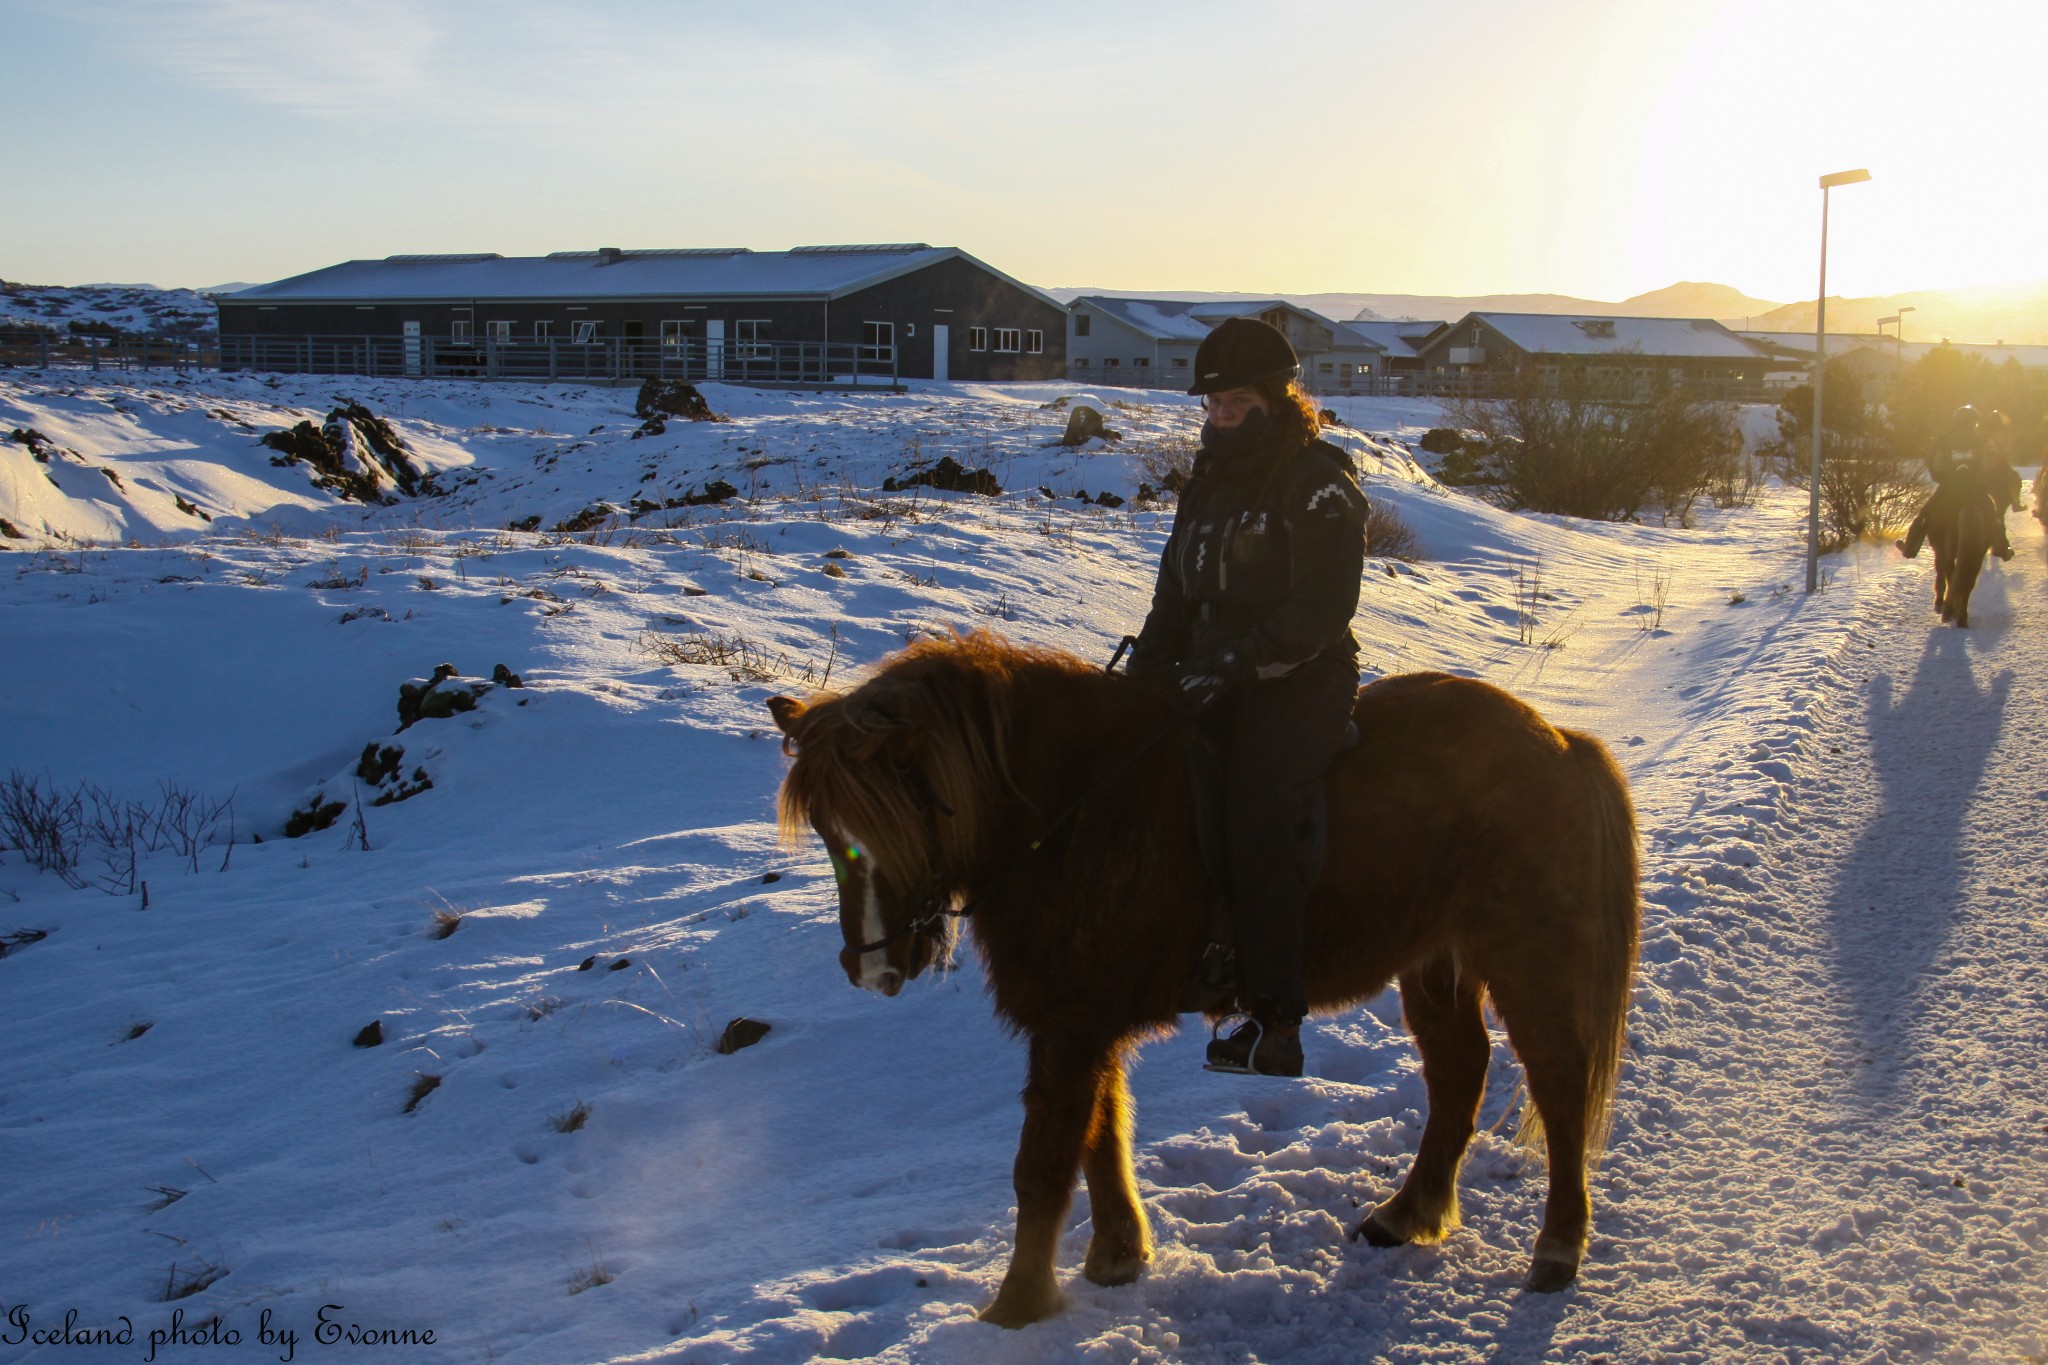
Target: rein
937	912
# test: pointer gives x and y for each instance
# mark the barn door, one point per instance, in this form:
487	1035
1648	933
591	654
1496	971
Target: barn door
412	348
941	354
714	348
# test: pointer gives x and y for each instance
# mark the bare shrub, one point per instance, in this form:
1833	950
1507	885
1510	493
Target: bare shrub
1389	537
43	825
1549	446
1165	461
1869	485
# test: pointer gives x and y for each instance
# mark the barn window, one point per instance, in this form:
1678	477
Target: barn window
1081	321
498	331
1008	339
543	331
1180	362
1080	362
877	340
672	332
584	331
1110	363
1034	342
459	330
1143	362
752	335
977	338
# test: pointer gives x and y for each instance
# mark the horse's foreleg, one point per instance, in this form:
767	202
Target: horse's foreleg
1122	1243
1059	1111
1442	1008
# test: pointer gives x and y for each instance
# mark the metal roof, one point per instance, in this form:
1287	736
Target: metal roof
690	272
1402	338
1800	344
1160	319
1188	320
1592	334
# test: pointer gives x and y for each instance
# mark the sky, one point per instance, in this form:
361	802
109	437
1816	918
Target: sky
1600	148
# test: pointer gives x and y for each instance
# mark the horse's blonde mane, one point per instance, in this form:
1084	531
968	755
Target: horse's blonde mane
933	728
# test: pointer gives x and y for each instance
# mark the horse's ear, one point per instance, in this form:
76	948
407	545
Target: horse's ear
786	710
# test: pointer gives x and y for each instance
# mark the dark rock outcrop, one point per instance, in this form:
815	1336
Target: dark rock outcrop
948	476
354	453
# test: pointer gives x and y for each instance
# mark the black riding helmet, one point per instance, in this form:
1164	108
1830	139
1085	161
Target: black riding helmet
1242	351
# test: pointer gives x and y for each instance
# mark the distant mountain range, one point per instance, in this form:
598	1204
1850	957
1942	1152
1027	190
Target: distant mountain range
2014	313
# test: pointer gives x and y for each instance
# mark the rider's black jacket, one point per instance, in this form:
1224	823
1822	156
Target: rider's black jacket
1263	560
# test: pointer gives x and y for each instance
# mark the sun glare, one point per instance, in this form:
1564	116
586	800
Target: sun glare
1936	101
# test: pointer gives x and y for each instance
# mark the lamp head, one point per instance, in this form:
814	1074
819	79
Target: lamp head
1828	182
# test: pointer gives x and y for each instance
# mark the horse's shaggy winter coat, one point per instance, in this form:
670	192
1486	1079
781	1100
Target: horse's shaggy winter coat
1474	851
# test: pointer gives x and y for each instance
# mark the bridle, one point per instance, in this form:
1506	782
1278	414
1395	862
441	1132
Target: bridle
931	919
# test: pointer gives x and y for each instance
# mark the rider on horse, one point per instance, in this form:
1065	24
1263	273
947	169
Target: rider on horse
1251	625
1959	483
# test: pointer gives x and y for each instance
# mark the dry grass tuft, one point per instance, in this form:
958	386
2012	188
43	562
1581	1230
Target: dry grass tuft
423	1085
571	1119
446	922
183	1284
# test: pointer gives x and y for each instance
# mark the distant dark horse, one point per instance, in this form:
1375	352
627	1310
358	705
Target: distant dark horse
1474	851
2002	481
1960	532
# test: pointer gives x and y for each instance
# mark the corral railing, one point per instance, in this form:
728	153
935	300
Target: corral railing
24	348
1476	384
796	364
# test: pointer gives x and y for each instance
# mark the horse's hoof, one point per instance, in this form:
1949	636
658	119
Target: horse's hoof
1013	1308
1548	1275
1110	1269
1378	1234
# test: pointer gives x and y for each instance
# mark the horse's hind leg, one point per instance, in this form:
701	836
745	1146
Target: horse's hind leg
1442	1008
1559	1069
1122	1243
1060	1105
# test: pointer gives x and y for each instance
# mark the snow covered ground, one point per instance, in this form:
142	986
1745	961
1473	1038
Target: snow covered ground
1827	1134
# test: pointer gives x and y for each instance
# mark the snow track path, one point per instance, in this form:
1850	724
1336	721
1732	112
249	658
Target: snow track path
1830	1142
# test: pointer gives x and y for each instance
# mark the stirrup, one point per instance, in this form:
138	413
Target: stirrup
1216	1036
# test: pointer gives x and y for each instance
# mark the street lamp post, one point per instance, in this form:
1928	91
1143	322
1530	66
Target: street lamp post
1899	338
1820	369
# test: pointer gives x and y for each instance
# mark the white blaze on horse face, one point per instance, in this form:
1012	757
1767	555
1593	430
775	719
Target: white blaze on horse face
875	972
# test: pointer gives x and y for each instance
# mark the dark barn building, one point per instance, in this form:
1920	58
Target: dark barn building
812	315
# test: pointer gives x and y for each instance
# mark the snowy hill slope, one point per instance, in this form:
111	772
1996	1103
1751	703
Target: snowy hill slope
586	1177
138	308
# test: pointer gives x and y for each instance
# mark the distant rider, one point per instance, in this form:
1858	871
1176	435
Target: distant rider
1959	483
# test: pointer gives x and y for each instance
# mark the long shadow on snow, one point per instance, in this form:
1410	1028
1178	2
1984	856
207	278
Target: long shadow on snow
1893	900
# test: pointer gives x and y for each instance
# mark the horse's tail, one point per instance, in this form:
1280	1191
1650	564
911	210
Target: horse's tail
1611	934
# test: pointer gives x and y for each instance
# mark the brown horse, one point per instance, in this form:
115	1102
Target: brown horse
1960	532
1474	851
